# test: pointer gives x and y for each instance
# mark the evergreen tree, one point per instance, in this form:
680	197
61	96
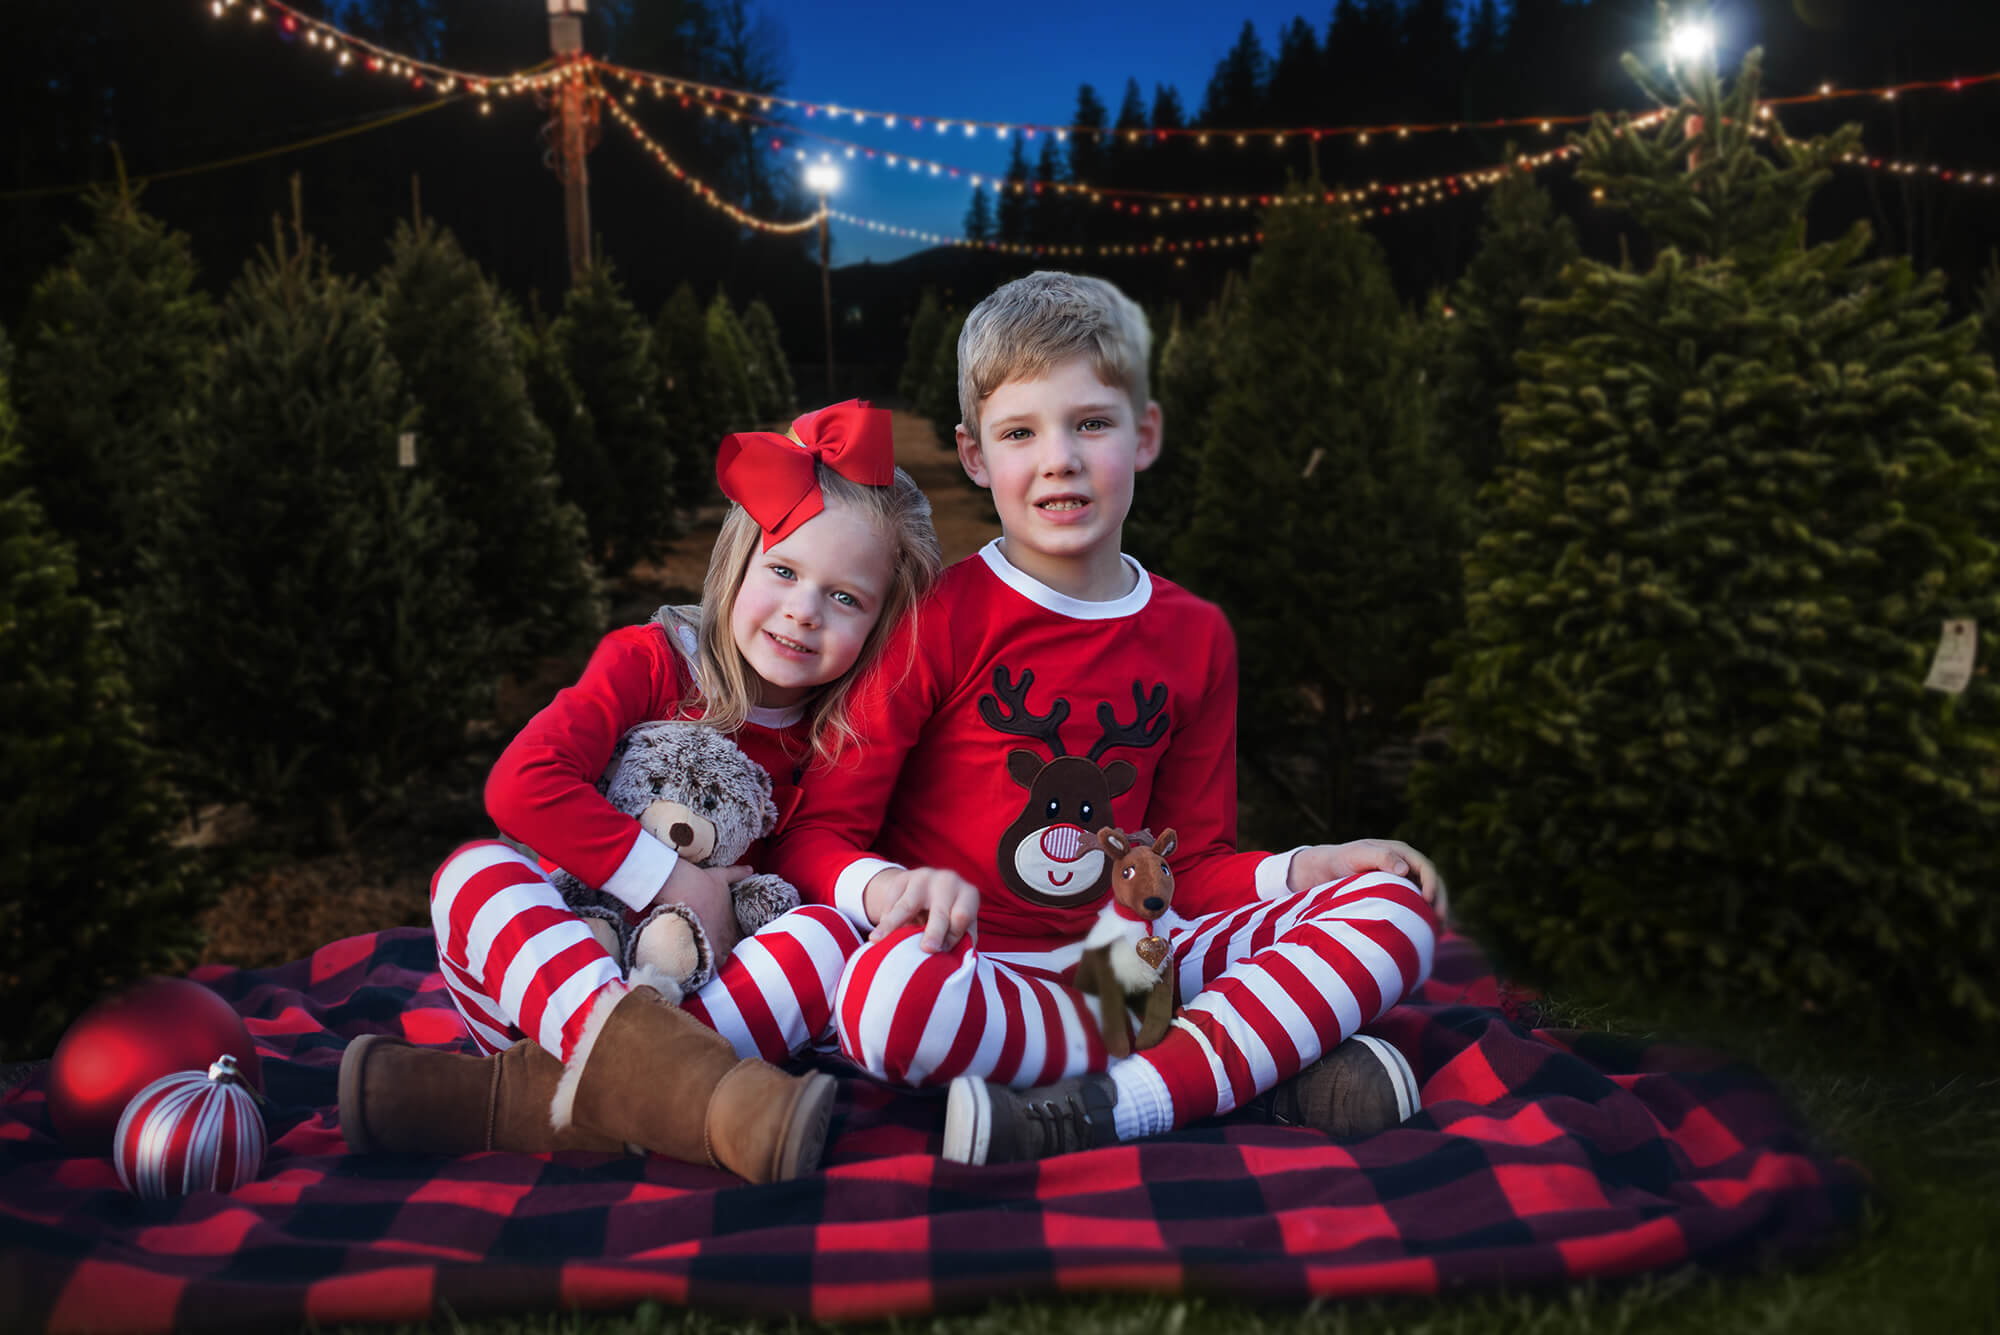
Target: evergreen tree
1321	522
309	635
1126	161
1185	383
761	328
583	477
1741	496
1012	210
1131	110
1087	145
92	895
1171	157
1432	56
1483	33
489	457
921	348
690	397
1049	207
1298	86
1524	246
1236	91
1989	306
114	357
939	401
607	350
979	223
734	367
1361	58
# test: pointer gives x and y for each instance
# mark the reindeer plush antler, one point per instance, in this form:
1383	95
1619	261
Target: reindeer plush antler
1121	956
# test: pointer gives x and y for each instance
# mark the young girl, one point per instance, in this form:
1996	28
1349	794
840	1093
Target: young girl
827	545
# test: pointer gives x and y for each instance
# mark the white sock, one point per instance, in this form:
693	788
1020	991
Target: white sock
1144	1106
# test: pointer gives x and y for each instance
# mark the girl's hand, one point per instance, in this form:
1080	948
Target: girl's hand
706	891
1331	862
946	903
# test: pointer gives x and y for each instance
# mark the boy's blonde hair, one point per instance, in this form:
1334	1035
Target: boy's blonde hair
901	513
1032	325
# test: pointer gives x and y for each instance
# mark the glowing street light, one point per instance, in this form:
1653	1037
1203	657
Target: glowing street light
1691	43
823	178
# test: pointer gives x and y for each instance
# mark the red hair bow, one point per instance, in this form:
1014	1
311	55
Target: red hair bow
771	475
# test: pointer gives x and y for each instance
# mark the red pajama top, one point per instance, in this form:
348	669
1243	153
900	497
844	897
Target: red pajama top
1005	724
542	791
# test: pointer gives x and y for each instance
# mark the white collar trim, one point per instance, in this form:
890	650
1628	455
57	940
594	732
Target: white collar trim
1061	603
762	717
776	718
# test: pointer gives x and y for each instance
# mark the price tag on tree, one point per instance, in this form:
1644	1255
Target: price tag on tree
406	450
1951	669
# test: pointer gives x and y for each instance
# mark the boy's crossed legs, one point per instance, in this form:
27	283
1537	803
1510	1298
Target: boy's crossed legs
1268	990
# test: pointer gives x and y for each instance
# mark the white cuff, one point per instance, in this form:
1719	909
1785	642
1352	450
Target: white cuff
644	871
852	882
1274	874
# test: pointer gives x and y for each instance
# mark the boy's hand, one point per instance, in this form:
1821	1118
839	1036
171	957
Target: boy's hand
946	903
706	891
1331	862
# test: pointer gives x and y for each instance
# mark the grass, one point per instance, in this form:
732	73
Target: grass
1922	1114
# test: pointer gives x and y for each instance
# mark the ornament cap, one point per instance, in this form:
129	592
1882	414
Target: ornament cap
224	1071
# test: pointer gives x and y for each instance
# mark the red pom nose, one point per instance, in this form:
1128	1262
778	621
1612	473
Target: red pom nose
1063	843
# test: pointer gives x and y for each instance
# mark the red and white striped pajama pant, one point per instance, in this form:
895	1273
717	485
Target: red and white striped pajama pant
517	962
1266	989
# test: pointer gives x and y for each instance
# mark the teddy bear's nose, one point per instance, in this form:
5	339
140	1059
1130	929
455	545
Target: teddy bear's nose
1154	904
681	833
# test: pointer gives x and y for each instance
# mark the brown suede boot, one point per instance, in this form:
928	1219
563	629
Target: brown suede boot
654	1076
399	1099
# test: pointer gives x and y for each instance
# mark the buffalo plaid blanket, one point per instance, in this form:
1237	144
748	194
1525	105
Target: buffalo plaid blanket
1540	1157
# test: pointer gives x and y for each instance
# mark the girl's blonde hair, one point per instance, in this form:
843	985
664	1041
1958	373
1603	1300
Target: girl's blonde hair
901	513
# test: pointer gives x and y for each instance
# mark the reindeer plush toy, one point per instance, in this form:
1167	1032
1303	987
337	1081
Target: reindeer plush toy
1122	957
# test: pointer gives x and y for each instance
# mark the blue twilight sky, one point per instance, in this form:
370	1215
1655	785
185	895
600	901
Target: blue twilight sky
1021	60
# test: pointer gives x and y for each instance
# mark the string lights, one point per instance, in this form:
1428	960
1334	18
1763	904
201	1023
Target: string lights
1932	170
350	52
939	239
1161	203
1373	200
740	101
1162	246
702	190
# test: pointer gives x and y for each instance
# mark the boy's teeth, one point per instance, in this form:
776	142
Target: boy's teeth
1062	505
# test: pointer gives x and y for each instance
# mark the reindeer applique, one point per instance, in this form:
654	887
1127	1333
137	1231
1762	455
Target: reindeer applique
1047	856
1122	957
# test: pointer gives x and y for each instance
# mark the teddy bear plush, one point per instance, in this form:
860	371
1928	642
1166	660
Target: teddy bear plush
693	789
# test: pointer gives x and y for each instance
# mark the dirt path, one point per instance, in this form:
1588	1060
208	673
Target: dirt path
963	514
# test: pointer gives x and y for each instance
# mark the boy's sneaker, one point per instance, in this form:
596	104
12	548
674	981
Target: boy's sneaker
1363	1086
989	1123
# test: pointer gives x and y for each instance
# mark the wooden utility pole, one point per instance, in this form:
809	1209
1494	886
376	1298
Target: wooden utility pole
826	292
574	119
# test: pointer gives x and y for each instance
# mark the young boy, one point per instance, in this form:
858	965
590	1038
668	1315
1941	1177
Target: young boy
1051	687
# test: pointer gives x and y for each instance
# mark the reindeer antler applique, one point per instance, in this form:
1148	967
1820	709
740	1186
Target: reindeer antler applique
1047	856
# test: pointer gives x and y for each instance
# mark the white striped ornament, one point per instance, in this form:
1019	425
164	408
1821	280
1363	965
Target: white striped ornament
190	1132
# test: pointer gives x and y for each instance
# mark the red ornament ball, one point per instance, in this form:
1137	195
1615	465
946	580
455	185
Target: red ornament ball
126	1042
190	1132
